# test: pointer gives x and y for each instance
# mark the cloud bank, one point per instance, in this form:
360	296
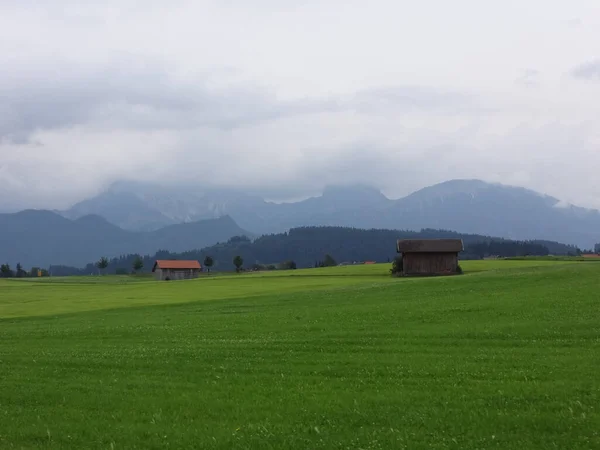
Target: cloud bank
284	98
588	71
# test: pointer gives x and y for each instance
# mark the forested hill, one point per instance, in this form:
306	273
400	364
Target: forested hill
308	245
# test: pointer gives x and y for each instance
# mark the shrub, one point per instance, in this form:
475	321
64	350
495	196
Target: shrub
459	269
209	262
288	265
138	264
329	261
238	262
397	266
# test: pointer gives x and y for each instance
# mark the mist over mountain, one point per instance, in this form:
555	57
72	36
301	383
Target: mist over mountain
469	206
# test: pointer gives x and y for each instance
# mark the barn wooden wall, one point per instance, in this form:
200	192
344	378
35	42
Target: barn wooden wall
429	263
174	274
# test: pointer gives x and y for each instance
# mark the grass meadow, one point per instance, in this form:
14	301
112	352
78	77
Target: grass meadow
506	356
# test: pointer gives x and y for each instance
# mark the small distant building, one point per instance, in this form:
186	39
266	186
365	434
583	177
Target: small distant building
171	269
429	256
591	255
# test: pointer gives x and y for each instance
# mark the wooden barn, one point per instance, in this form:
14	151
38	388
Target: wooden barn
429	256
165	270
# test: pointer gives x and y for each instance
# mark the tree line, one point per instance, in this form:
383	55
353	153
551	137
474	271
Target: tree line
7	272
316	246
479	250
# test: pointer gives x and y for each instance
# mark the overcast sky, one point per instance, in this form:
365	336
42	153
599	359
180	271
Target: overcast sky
283	97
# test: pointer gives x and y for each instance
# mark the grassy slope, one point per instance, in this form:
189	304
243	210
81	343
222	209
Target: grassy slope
47	296
499	359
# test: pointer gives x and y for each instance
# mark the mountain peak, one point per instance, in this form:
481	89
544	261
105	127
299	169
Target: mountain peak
355	194
474	187
348	189
34	215
459	186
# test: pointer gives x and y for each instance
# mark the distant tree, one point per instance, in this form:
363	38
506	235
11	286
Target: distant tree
5	271
138	264
121	271
238	262
209	262
504	249
288	265
597	248
102	264
238	239
20	272
329	261
66	271
45	273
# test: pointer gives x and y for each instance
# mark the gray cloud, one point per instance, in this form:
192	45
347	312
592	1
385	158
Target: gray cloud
283	99
574	22
587	71
133	93
382	100
529	78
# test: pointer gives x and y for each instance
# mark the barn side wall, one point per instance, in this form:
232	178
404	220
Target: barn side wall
177	274
429	263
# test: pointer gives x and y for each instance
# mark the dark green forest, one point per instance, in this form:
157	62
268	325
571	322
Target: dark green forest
309	247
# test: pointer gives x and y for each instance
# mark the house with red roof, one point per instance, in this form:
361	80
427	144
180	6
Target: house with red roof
172	269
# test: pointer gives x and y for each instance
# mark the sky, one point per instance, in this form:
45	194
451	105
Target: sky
282	98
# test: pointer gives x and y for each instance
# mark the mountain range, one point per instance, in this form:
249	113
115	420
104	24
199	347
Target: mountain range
143	219
468	206
42	238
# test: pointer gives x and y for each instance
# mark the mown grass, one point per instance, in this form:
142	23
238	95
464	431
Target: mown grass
547	258
61	295
330	358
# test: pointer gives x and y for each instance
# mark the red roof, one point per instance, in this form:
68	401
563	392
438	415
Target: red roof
176	264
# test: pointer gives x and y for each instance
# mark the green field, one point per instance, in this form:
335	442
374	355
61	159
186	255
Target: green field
506	356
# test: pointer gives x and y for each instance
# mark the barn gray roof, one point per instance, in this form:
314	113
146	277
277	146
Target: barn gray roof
429	246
